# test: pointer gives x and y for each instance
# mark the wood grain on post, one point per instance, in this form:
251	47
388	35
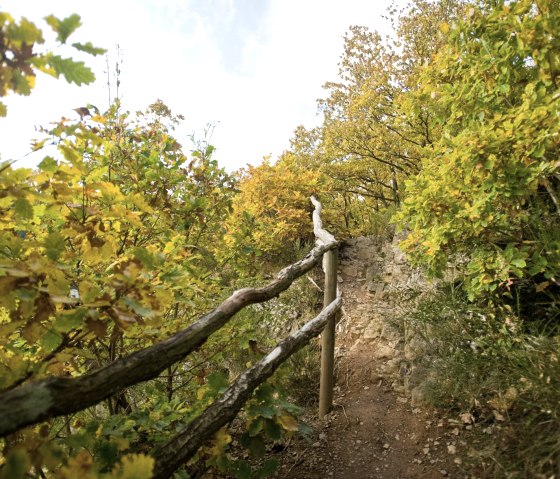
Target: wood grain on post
330	267
328	336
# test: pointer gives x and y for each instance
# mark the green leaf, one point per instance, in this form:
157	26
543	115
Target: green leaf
26	294
242	470
145	256
262	411
26	33
254	444
70	320
23	208
3	109
304	429
539	150
48	164
218	381
54	245
64	28
89	48
519	262
21	83
17	464
50	341
255	427
137	307
73	71
268	468
273	430
106	452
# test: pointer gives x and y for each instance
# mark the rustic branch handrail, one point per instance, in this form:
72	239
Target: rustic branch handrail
37	401
185	444
322	235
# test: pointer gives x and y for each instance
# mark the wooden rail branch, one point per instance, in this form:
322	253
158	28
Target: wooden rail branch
37	401
323	236
184	445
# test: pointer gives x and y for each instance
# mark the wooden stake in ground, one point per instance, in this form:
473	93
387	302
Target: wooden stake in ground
330	267
328	336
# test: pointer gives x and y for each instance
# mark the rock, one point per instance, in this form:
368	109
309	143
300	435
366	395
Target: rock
393	365
371	273
397	387
350	270
373	331
418	396
389	333
413	348
384	351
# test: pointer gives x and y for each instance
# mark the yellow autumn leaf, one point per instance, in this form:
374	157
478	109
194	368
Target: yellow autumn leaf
133	466
139	201
201	393
289	423
221	439
79	467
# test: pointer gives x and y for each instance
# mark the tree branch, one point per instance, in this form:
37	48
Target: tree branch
185	444
37	401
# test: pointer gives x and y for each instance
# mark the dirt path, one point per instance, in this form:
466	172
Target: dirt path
379	427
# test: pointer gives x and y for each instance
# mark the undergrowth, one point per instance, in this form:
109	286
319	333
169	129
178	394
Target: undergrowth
485	361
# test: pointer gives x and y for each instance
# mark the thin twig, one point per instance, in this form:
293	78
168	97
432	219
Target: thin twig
344	411
314	284
552	194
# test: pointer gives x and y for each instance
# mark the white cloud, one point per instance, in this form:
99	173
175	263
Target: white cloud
256	71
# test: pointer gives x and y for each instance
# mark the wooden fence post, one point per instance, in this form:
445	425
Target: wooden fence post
330	267
328	335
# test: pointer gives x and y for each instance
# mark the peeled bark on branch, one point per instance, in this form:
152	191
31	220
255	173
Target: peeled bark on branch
321	234
184	445
37	401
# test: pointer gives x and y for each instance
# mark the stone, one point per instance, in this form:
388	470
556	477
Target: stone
384	351
349	270
413	348
389	333
373	331
418	396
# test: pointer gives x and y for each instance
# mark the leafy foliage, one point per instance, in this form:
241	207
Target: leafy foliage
373	132
489	187
107	248
20	60
485	206
272	213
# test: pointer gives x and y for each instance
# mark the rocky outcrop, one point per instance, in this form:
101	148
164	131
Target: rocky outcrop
379	288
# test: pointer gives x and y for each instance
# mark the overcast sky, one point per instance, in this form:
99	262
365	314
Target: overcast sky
252	67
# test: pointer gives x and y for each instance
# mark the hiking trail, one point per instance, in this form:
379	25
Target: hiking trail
380	426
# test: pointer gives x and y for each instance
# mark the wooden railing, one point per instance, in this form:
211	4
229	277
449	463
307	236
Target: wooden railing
37	401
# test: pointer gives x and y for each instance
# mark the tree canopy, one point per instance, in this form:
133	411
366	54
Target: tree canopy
123	238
